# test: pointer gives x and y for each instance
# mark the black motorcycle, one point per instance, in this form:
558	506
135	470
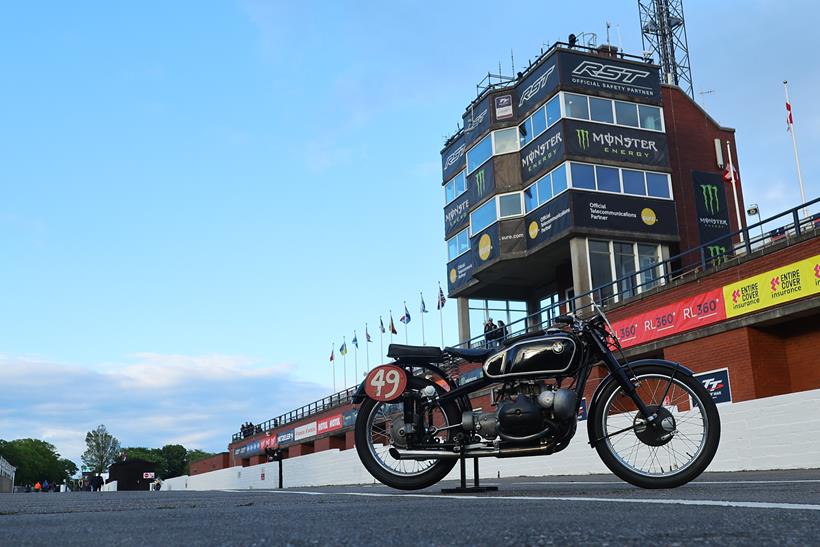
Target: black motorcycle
653	424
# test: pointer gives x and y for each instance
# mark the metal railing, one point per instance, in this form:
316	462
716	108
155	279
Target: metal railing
773	232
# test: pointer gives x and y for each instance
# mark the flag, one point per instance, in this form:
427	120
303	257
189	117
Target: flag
367	334
381	325
728	172
441	299
355	340
343	348
423	307
392	326
331	355
789	118
406	317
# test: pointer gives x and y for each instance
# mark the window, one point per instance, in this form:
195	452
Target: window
600	267
633	182
479	153
539	121
648	257
530	198
455	187
583	176
624	268
525	133
483	217
657	185
576	106
650	117
505	141
559	179
544	188
509	205
458	244
600	110
608	179
553	110
626	113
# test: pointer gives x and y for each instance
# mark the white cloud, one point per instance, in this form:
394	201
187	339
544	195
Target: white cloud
149	400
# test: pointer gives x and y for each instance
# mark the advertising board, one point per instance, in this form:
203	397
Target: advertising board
609	142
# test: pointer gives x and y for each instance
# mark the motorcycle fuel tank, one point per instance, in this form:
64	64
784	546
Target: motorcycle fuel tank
548	355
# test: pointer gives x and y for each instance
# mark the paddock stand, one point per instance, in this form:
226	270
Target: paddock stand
464	489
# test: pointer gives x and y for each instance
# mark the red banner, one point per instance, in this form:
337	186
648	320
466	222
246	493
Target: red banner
691	313
269	441
327	425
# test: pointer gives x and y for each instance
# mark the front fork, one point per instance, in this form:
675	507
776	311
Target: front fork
619	372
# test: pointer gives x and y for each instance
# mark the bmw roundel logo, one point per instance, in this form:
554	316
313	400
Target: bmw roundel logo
557	347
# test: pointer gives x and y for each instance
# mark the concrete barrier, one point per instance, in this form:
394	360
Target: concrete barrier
770	433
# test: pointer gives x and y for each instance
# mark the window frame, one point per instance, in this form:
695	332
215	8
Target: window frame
639	287
452	180
615	123
460	232
520	204
620	179
474	211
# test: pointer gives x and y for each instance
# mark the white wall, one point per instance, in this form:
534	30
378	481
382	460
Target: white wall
772	433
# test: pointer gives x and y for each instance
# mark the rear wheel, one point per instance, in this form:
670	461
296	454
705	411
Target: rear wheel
676	448
375	427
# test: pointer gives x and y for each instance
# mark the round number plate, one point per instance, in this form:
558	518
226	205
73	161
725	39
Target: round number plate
385	383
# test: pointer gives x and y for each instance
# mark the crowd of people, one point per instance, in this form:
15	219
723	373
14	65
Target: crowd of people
86	484
494	333
248	429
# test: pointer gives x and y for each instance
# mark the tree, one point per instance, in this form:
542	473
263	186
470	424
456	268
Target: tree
103	449
147	454
176	460
35	461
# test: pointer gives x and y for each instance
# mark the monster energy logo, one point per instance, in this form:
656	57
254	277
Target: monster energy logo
717	253
710	197
583	138
479	183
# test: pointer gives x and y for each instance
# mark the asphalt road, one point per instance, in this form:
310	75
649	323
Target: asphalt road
720	508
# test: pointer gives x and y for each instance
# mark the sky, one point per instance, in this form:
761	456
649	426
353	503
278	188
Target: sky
199	199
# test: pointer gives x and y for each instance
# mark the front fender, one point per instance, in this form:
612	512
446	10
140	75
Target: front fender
635	366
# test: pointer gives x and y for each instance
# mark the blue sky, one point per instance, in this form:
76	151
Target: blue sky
198	198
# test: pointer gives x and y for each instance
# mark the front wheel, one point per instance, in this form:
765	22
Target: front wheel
375	432
676	448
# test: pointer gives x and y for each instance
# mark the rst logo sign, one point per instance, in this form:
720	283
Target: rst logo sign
716	383
609	73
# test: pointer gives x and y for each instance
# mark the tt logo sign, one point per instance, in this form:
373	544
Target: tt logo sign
609	73
712	384
710	197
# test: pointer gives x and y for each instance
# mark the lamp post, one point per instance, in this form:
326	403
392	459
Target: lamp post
755	210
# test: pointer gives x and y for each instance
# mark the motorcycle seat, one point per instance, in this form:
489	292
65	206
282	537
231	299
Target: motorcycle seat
470	354
415	354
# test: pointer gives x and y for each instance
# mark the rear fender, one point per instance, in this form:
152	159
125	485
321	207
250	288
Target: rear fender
360	394
636	367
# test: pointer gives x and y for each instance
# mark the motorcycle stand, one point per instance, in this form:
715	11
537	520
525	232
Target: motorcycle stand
464	489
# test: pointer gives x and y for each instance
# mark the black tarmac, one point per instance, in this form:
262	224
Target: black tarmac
751	508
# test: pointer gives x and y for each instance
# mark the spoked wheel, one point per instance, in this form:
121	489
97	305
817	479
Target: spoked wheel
676	448
377	430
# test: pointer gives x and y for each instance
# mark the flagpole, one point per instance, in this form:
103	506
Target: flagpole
356	358
333	364
421	313
405	325
366	347
796	155
381	339
344	361
734	190
391	326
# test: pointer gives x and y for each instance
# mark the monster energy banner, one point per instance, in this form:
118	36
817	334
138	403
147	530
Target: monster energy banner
480	184
453	159
539	84
713	213
608	142
549	221
615	212
542	154
586	73
512	236
476	121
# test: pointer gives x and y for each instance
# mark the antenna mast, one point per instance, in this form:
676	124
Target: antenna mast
663	32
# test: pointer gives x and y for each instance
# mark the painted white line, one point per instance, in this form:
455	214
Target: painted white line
702	503
575	483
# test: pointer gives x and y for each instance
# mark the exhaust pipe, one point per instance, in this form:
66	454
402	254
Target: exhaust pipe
401	454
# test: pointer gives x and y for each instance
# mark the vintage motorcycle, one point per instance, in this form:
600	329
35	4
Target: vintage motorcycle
652	423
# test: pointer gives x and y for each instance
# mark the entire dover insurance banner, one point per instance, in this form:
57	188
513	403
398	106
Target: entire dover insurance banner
784	284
